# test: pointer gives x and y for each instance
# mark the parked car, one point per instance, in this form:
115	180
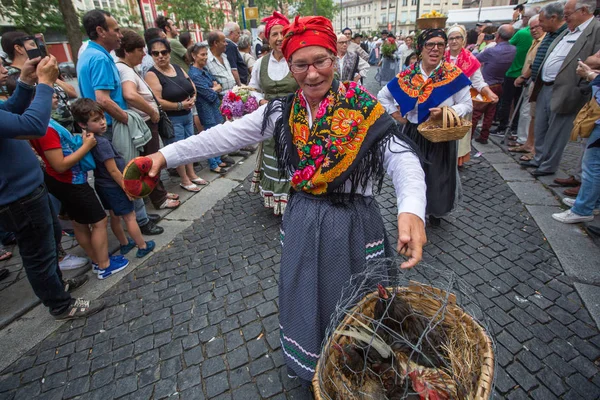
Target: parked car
67	70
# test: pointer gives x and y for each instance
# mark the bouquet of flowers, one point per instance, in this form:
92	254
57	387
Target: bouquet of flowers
238	102
388	48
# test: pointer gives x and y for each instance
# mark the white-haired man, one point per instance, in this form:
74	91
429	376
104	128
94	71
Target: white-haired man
258	41
239	68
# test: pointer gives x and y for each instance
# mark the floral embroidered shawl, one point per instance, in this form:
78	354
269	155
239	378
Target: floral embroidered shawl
346	141
466	61
410	89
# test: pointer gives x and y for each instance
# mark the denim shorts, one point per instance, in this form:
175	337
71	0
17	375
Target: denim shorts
115	199
183	125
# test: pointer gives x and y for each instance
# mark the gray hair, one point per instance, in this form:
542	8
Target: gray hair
534	18
530	12
552	9
230	27
260	29
244	42
506	32
589	4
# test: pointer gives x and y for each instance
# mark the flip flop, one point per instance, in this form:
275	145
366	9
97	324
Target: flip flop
169	204
5	255
526	157
172	196
518	149
199	181
190	188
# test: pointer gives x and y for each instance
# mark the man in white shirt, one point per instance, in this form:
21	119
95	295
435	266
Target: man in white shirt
258	41
217	64
559	92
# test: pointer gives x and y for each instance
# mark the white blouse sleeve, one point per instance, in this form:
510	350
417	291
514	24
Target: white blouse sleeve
387	100
477	80
220	139
363	67
463	104
255	79
409	178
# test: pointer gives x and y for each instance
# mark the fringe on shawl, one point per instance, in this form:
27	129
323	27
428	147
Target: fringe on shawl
370	167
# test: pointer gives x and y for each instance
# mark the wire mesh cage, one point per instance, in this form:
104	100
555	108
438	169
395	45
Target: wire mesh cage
406	334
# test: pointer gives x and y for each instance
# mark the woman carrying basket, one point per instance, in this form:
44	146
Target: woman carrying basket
417	94
336	141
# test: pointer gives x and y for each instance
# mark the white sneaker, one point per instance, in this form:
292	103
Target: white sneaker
569	217
72	262
568	201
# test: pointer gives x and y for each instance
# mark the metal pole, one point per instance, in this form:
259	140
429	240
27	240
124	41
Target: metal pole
252	21
396	19
479	12
341	15
418	12
139	2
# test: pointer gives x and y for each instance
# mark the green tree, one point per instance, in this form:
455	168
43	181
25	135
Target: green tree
190	12
33	16
324	8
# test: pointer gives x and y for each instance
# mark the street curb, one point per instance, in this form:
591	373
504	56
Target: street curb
24	333
575	250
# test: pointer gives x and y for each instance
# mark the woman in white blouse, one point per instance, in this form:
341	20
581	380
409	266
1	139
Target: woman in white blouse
335	141
418	94
466	61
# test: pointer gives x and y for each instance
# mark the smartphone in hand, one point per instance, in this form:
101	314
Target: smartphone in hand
39	50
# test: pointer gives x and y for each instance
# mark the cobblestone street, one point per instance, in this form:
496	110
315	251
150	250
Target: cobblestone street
199	318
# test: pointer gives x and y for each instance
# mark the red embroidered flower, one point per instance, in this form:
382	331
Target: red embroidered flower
316	151
322	108
350	93
297	177
319	161
308	172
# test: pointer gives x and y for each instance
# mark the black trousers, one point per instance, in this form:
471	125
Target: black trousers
510	96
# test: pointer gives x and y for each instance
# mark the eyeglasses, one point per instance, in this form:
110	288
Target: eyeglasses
157	53
567	15
455	39
323	63
430	46
344	42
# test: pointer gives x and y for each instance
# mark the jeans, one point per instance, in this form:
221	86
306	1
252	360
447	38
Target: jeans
33	220
214	162
589	194
183	125
140	212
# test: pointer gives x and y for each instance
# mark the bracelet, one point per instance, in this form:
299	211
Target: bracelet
179	106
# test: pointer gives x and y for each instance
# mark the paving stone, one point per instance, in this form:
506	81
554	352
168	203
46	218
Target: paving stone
269	384
216	384
148	376
188	378
77	387
212	366
165	388
193	356
237	357
215	347
170	367
239	377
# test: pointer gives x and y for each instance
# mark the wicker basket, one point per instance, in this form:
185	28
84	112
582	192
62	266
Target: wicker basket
482	101
424	299
453	127
427	23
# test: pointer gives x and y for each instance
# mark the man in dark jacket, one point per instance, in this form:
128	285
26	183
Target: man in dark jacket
25	207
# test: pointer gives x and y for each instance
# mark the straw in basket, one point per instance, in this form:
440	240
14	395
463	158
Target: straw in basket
452	128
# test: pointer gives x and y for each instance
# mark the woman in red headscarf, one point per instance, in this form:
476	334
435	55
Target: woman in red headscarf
272	77
336	142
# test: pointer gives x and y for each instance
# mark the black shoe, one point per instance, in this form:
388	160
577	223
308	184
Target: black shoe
153	217
239	153
227	160
528	164
80	308
151	229
498	131
537	172
434	221
172	172
77	282
10	240
482	141
250	149
3	273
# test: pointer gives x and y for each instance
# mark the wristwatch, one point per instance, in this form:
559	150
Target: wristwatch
179	106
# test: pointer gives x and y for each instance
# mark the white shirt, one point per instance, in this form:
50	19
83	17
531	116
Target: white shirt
277	70
127	74
476	79
555	60
221	72
460	101
404	168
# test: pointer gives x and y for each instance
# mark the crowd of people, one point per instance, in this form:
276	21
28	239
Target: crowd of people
324	141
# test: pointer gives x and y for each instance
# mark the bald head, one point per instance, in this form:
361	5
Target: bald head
505	33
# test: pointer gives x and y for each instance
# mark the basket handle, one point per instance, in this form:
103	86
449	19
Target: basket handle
450	118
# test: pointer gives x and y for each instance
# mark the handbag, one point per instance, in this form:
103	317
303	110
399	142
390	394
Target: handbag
165	126
87	163
585	121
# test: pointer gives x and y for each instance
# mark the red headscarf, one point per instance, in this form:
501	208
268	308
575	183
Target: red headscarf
308	31
276	19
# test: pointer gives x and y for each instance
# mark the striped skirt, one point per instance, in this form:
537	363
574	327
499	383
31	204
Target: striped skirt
324	244
266	180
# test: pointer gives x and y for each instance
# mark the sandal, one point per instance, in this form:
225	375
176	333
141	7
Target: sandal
518	149
527	157
5	255
169	204
219	170
199	181
172	196
190	188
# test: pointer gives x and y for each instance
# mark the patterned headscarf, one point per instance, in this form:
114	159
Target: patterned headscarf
308	31
460	29
429	34
276	19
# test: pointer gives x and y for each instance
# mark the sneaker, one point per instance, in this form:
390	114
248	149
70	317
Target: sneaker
117	257
126	248
115	266
151	229
77	282
150	245
571	202
72	262
80	308
569	217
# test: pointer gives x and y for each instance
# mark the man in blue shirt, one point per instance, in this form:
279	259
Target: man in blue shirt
97	73
25	207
